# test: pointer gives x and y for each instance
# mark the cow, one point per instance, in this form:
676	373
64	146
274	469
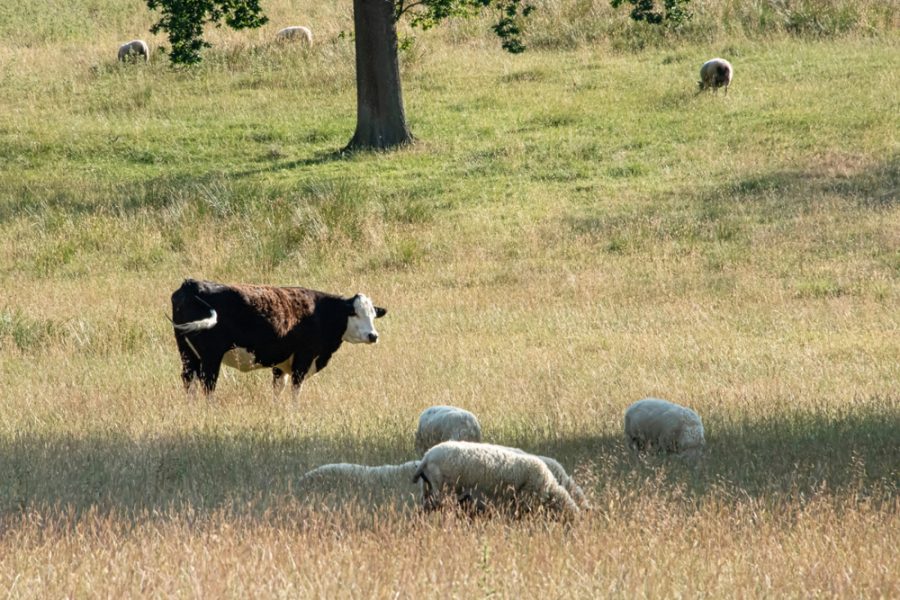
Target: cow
291	330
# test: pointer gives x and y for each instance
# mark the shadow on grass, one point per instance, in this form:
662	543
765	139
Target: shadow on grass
320	158
719	213
876	187
857	453
200	471
60	196
215	192
792	456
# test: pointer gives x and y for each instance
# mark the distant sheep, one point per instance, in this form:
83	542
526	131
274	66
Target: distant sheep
445	423
135	49
715	73
657	424
295	33
472	470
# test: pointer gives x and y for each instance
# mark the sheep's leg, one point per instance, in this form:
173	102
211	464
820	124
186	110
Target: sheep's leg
430	497
636	444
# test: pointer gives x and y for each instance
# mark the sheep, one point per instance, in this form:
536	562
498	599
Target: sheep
563	479
364	481
715	73
665	426
134	49
445	423
295	32
473	470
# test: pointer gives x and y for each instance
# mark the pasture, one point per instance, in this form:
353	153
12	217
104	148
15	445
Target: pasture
574	229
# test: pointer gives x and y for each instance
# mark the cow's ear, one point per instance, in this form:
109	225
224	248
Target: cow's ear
351	306
380	312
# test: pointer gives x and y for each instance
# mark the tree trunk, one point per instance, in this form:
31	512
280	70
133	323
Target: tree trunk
380	119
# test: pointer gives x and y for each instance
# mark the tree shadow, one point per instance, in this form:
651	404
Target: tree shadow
198	471
156	193
320	158
788	456
212	191
876	187
252	472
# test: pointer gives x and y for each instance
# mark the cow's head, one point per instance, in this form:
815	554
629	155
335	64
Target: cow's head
361	320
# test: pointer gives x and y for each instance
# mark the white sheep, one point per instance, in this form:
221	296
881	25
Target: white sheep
295	32
134	48
563	478
664	426
363	481
715	73
473	470
443	424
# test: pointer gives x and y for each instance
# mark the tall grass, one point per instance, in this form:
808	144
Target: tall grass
568	24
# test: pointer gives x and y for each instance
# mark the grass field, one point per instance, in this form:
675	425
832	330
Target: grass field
574	229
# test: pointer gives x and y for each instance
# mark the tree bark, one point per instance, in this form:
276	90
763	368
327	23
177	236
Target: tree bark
380	118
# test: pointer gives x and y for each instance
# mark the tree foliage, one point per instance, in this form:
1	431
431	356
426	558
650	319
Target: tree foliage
184	20
674	12
509	26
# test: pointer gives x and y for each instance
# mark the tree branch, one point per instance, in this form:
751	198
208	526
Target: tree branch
407	8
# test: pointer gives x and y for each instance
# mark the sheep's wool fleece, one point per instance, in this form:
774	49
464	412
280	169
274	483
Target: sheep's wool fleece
384	475
562	478
665	424
137	48
487	466
295	32
715	73
446	423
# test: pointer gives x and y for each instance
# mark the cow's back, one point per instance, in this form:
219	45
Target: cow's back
260	314
282	308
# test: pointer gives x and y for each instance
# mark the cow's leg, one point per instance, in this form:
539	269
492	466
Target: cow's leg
190	366
189	376
299	370
209	374
322	362
279	379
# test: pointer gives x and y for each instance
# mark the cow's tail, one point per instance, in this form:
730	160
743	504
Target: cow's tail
199	325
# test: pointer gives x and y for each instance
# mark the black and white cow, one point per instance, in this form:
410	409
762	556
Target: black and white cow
291	330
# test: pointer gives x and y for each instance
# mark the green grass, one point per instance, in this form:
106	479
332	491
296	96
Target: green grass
574	229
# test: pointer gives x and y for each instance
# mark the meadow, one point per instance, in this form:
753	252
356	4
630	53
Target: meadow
574	229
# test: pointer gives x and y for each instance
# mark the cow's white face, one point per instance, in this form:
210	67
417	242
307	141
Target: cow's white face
361	322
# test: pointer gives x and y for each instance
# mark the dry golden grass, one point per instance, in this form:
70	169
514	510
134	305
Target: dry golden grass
635	545
115	485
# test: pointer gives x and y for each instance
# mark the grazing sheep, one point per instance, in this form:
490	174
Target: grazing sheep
473	470
715	73
295	32
563	478
363	481
134	50
665	426
443	424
